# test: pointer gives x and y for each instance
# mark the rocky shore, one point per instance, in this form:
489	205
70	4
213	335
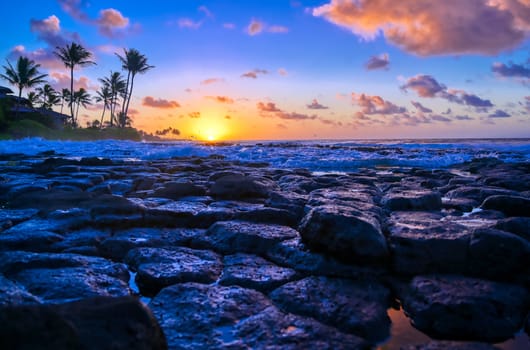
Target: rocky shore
240	255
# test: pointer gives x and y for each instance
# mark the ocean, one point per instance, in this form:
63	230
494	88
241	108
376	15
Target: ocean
317	156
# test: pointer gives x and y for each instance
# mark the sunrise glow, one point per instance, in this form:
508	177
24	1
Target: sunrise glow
310	69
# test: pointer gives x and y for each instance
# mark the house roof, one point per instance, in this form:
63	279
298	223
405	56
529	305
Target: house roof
5	90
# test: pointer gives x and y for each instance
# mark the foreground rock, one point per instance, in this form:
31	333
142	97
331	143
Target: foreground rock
450	345
352	307
100	323
345	233
455	307
216	317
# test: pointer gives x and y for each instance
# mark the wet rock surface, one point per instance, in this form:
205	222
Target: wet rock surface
240	255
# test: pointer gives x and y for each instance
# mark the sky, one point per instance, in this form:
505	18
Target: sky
306	69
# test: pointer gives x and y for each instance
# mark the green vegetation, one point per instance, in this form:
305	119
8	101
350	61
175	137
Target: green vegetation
37	117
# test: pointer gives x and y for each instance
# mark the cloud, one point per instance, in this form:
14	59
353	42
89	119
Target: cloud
256	27
206	11
267	107
520	72
283	72
220	99
375	105
159	103
49	30
111	22
441	118
194	115
463	117
295	116
254	73
378	62
44	57
210	81
428	87
433	27
499	114
421	107
189	23
315	105
61	81
229	26
228	116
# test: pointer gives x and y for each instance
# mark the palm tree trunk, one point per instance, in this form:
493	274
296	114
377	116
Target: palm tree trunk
130	94
77	112
72	94
102	115
126	96
18	102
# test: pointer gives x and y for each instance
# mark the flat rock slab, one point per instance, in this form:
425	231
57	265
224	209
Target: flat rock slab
421	242
96	323
359	308
345	233
456	307
33	241
231	237
509	205
250	271
9	218
199	316
12	293
449	345
158	268
412	199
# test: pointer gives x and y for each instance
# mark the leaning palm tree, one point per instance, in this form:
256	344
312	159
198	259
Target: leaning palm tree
80	98
48	96
133	62
117	85
104	96
25	75
73	55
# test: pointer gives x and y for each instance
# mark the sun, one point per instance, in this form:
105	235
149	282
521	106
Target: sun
210	137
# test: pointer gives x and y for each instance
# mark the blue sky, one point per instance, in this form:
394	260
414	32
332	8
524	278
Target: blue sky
299	69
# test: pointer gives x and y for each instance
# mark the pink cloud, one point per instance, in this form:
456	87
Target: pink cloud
255	27
315	105
221	99
283	72
210	81
378	62
375	105
267	107
254	73
61	81
432	27
159	103
111	22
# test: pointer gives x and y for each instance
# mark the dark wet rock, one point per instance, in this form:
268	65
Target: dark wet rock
412	199
50	200
509	205
344	233
176	190
143	183
62	221
449	345
352	307
9	218
70	283
421	242
158	268
478	193
117	246
230	237
34	241
461	204
456	307
175	214
100	189
112	205
272	329
268	215
497	254
250	271
12	293
194	315
516	225
290	201
359	196
295	254
98	323
241	186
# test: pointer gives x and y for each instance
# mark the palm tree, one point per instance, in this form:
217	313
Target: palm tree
73	55
65	97
49	96
25	75
33	98
116	85
103	95
81	98
133	62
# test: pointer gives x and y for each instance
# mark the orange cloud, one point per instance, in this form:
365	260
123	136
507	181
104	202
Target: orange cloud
212	81
433	27
111	20
255	27
159	103
375	105
221	99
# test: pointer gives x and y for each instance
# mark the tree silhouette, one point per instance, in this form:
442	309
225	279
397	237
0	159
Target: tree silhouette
73	55
116	85
81	98
103	95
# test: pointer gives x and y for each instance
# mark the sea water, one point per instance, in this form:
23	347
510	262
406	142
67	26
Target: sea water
317	156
